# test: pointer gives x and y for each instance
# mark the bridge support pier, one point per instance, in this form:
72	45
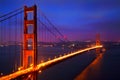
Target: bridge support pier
32	76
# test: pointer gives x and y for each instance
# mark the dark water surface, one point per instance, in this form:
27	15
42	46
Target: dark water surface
80	67
106	67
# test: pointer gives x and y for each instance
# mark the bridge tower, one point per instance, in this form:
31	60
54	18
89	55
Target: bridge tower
30	40
30	37
98	40
98	43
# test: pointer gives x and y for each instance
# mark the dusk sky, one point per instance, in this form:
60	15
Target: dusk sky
77	19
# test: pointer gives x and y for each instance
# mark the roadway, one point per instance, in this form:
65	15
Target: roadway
47	63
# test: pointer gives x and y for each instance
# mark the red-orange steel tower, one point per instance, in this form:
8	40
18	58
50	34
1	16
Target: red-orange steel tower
30	38
98	40
98	43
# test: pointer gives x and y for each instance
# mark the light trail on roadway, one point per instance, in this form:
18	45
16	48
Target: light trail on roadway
47	63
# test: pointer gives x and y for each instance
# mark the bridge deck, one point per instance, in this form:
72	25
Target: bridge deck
47	63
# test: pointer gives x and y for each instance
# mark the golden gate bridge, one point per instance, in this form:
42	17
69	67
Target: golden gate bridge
27	28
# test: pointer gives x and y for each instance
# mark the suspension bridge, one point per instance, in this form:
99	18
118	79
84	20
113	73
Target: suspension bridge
26	29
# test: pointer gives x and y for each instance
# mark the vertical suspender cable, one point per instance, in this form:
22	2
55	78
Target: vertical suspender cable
9	33
0	39
3	38
21	40
15	42
42	33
